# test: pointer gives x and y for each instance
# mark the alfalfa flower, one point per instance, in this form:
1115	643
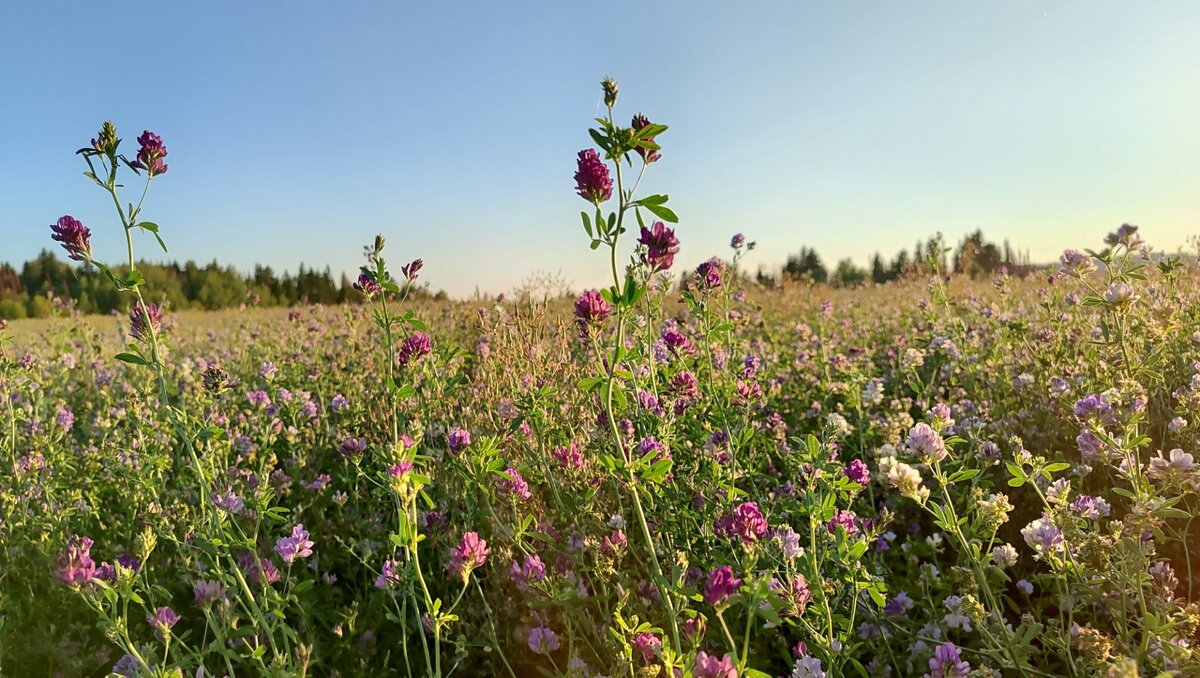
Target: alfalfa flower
513	485
926	444
1119	295
367	284
150	155
649	155
708	274
390	576
413	348
162	620
106	142
471	553
591	309
298	545
1075	263
76	566
947	662
1004	556
720	585
76	238
1043	536
904	478
710	666
206	591
592	180
145	319
647	644
542	640
748	523
661	246
609	85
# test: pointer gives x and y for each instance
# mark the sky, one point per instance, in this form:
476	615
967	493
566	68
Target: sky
297	130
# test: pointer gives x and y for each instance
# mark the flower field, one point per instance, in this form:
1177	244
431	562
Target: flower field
684	475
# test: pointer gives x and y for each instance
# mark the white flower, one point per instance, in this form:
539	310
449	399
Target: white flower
1004	556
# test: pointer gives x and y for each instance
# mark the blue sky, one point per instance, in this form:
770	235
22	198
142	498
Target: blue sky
298	130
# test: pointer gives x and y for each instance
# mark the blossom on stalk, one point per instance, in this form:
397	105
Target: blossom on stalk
297	545
926	444
720	585
649	155
947	662
138	317
710	666
592	181
542	640
471	553
76	566
661	246
367	284
162	620
150	155
1042	536
647	644
76	238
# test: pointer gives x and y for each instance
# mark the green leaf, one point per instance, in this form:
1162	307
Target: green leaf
1056	467
652	200
132	359
587	223
662	212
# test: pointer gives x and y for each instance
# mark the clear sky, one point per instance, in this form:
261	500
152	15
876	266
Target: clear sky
297	130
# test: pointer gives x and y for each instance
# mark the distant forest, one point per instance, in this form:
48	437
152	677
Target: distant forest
33	291
46	280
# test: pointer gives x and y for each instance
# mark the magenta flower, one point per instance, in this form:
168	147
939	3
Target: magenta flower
947	662
661	246
614	544
570	457
76	566
414	348
390	576
592	180
137	320
720	585
471	553
367	285
532	570
649	155
206	591
76	238
748	523
708	274
411	270
647	644
844	519
298	545
512	484
150	155
458	439
857	472
352	447
162	620
709	666
591	308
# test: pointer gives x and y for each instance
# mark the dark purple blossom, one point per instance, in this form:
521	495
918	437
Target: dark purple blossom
720	585
649	155
661	246
138	326
162	620
592	180
74	236
591	308
150	155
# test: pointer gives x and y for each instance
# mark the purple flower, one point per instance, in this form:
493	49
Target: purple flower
1042	536
647	644
367	284
339	403
1090	507
570	457
591	309
844	519
614	544
471	552
1094	408
857	472
137	319
206	591
352	447
414	348
458	439
737	241
532	570
708	274
797	593
298	545
150	155
661	246
720	585
542	640
76	566
947	662
677	343
162	620
411	270
592	180
390	576
649	155
512	484
74	236
899	605
748	523
926	444
1074	263
709	666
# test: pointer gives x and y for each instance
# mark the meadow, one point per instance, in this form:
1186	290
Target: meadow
686	475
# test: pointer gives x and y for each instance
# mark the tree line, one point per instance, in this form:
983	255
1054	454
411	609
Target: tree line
33	291
974	256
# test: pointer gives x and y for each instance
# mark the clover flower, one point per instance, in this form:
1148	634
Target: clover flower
592	181
162	620
709	666
297	545
720	585
144	324
661	246
150	155
542	640
471	553
926	444
76	238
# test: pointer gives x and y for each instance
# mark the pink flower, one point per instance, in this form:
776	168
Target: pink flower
647	644
661	246
592	180
709	666
471	553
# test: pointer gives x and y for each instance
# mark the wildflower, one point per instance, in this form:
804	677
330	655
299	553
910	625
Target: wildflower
709	666
955	619
940	416
661	246
898	605
720	585
591	309
1119	295
748	523
367	284
904	478
205	591
1125	235
1177	463
458	439
531	570
737	241
592	181
471	553
127	666
610	88
352	447
844	519
339	403
1004	556
857	472
76	566
162	620
614	544
789	542
542	640
410	270
649	155
1090	507
993	511
1164	575
140	315
912	359
389	576
926	444
150	155
693	627
298	545
1074	263
647	644
708	274
797	594
1042	536
947	662
414	348
74	236
569	456
512	484
808	666
228	501
1025	587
